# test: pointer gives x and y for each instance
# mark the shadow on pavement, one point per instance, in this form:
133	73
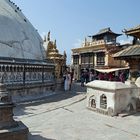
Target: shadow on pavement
38	137
59	96
137	114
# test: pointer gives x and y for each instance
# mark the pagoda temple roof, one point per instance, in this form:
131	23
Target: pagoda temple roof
133	50
105	31
133	31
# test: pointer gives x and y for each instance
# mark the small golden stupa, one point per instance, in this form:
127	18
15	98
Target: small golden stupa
53	54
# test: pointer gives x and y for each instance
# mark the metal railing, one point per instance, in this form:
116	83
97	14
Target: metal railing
93	43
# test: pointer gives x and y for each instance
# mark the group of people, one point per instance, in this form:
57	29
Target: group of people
121	76
87	76
112	76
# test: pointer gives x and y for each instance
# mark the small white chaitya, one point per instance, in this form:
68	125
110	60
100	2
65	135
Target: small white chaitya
111	98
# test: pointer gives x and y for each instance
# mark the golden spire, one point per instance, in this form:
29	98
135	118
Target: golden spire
44	39
48	38
65	55
85	41
55	44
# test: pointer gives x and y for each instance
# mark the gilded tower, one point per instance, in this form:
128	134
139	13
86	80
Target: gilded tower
53	54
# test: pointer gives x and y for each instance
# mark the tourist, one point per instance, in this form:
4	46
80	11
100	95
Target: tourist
91	76
67	81
101	76
71	77
106	76
110	76
86	76
82	79
121	77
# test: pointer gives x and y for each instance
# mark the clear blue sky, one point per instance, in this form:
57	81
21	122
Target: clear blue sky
70	21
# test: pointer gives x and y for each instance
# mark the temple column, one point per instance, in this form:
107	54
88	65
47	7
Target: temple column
95	59
106	59
79	59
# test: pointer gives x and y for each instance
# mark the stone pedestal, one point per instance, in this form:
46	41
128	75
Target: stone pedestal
9	128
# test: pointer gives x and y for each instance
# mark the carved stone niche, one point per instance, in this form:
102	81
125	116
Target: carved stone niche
9	128
103	101
92	102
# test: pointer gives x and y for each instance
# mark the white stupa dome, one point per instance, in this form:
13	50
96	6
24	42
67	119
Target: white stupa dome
18	38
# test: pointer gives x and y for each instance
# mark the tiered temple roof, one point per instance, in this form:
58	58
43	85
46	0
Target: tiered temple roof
135	32
104	32
133	50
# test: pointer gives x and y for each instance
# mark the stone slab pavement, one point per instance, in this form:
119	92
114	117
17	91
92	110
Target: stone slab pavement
65	117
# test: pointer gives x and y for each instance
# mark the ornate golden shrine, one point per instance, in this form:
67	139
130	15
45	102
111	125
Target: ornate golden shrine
53	54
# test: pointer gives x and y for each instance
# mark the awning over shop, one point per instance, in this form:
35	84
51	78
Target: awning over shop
110	70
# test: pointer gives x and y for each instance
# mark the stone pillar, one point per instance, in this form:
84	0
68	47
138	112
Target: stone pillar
9	128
